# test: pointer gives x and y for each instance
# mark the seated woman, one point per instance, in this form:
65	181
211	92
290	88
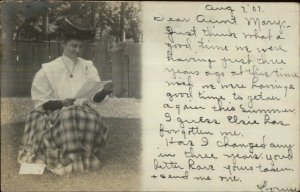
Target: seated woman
63	132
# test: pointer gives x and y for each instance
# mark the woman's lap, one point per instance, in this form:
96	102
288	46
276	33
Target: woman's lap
70	135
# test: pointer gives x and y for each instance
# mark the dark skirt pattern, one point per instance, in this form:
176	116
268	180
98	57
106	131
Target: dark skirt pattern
66	140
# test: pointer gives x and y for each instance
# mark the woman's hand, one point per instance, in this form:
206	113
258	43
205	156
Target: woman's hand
68	102
86	103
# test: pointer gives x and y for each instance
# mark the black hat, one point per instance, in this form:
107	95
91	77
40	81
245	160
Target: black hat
74	27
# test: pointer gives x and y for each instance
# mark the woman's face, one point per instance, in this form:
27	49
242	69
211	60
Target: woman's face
72	48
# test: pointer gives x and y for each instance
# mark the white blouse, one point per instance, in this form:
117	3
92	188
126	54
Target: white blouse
53	81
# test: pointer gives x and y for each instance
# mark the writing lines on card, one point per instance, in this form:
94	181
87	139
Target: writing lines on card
265	187
254	70
280	24
228	84
161	17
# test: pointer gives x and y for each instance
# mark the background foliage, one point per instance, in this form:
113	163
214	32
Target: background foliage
33	20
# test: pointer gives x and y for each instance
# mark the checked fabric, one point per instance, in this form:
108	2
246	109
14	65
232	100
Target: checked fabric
69	139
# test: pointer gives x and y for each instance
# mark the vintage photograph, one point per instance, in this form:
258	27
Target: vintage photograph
70	96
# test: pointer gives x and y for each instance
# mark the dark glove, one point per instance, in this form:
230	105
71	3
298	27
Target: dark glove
101	95
58	104
108	89
53	105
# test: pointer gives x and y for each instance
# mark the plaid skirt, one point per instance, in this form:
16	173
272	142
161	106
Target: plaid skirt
68	139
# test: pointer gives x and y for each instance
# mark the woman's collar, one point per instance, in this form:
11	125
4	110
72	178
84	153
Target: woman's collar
68	60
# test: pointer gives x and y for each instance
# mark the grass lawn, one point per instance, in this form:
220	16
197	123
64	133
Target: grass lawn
120	162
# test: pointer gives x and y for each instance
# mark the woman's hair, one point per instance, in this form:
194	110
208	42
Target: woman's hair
66	37
71	28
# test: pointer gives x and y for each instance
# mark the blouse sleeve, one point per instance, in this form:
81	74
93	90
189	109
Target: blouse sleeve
94	73
41	90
